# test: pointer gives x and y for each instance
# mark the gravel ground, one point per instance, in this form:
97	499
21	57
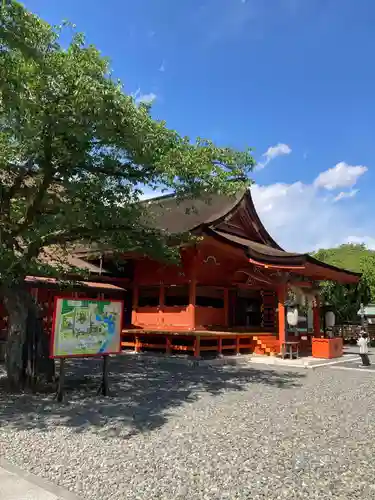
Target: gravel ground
178	431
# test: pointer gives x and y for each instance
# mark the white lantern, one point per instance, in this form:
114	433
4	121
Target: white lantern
330	319
292	316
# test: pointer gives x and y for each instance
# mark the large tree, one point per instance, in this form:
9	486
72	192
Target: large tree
346	299
74	151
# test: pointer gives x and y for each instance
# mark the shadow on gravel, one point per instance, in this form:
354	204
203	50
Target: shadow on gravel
144	392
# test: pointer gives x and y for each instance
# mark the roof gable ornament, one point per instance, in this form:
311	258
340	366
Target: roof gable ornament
211	259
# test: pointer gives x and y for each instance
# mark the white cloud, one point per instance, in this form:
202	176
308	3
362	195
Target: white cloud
278	150
346	194
221	20
340	176
146	98
139	97
369	241
273	152
302	219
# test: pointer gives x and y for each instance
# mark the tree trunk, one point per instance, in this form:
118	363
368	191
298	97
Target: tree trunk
16	304
37	362
27	350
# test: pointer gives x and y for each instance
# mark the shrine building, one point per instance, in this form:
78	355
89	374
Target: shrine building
228	294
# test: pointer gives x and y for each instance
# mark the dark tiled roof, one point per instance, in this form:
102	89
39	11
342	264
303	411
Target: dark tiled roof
179	216
56	256
172	215
40	280
274	256
260	251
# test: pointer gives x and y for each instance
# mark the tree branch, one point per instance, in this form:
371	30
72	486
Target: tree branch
48	173
17	174
126	170
73	234
63	237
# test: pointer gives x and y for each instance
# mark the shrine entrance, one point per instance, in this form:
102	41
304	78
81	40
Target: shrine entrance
246	308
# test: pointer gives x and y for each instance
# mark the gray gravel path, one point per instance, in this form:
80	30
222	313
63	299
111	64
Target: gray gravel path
16	484
174	431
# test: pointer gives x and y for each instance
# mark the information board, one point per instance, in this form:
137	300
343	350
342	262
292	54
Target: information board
86	327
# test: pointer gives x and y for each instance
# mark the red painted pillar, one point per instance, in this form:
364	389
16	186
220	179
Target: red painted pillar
161	305
316	317
192	300
135	303
281	294
192	290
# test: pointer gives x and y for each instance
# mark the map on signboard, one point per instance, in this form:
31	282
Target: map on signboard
86	327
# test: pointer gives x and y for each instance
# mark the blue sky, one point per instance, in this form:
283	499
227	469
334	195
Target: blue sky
294	79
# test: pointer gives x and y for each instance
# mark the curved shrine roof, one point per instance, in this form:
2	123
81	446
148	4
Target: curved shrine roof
215	216
179	216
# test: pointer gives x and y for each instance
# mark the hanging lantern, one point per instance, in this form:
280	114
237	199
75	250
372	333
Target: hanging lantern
292	316
330	319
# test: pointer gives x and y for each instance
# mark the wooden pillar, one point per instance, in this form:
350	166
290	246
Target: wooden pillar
138	344
192	300
220	345
135	303
310	318
237	345
281	294
161	304
316	317
226	307
192	291
197	346
168	345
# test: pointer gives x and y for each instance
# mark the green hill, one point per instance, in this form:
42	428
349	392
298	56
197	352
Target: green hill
350	256
346	300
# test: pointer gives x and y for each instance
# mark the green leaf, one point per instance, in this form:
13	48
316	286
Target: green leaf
74	149
346	299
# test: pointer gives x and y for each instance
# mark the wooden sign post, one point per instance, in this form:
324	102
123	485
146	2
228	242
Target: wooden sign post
60	388
104	386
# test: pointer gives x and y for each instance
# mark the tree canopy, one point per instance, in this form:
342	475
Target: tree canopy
346	300
75	149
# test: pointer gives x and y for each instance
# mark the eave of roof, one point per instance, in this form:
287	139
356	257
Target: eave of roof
175	216
259	251
319	263
268	256
55	256
42	280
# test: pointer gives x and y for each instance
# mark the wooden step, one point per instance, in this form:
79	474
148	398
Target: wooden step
267	344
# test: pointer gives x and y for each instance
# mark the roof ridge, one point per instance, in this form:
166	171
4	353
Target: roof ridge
157	198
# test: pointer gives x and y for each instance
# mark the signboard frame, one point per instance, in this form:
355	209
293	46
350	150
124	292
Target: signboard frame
82	355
